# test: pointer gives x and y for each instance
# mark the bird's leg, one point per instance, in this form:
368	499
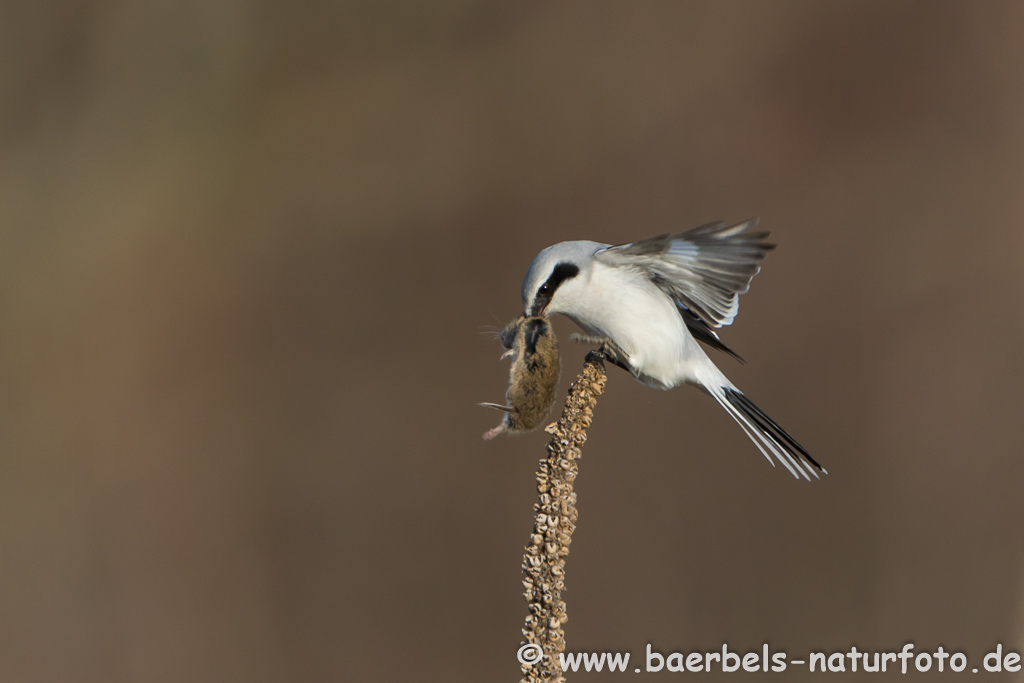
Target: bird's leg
588	339
607	348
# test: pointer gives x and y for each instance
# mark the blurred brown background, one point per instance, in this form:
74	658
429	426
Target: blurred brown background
248	249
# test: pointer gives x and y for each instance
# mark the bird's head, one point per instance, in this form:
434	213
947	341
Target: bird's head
557	276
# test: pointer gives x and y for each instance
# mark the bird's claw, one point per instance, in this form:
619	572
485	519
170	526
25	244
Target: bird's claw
606	349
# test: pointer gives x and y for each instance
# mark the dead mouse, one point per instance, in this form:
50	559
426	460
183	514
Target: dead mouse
533	377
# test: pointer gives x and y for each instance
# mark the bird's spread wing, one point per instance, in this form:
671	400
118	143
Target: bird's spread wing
703	332
704	269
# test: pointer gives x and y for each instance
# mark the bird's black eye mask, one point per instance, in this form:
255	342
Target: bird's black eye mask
561	273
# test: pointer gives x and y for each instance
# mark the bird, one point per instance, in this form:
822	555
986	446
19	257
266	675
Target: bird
533	377
648	303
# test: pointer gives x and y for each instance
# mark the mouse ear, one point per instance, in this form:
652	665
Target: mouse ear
507	409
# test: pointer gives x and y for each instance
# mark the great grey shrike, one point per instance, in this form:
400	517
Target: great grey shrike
648	303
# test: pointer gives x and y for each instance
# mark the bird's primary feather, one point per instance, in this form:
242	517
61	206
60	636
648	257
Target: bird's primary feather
704	269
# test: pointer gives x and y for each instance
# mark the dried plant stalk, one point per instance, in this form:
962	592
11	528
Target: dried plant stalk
554	522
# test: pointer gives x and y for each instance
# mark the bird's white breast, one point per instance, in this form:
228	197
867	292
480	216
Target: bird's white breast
623	305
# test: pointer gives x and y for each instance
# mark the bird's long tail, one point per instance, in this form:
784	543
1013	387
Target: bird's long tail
767	435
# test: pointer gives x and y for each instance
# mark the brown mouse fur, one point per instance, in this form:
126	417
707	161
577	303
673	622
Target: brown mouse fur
533	378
